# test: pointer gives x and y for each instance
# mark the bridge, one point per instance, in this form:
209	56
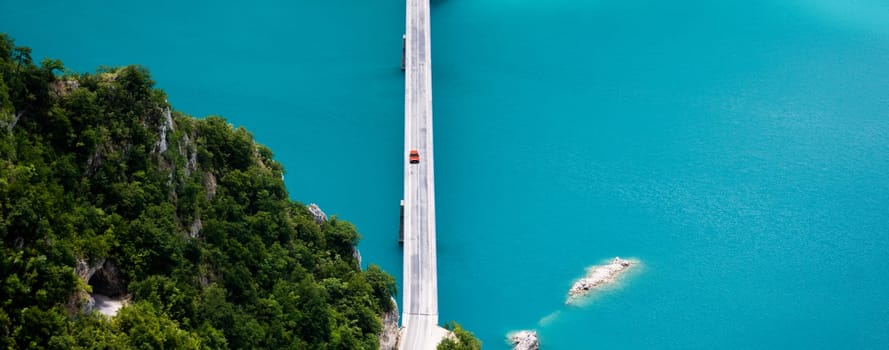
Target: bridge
420	328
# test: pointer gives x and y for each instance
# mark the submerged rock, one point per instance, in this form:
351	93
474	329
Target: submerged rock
596	277
524	340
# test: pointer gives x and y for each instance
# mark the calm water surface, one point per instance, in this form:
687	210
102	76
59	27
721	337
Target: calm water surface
740	149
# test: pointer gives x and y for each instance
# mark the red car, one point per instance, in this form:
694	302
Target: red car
414	157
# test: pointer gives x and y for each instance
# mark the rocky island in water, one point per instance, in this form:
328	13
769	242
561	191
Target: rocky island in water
598	276
524	340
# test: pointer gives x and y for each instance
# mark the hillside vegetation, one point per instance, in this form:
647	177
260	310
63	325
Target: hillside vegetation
104	189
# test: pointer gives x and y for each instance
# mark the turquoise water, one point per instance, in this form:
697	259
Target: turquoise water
740	149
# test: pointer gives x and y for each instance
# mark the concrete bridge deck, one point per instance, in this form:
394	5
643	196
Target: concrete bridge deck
420	288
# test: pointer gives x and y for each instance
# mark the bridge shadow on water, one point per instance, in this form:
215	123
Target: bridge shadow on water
434	3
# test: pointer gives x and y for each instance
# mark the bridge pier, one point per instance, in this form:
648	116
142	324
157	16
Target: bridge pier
401	225
403	54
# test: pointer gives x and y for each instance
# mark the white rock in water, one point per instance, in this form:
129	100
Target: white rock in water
524	340
596	277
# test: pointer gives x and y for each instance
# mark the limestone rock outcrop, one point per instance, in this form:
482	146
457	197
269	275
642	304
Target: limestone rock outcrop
317	213
85	269
108	281
598	276
108	288
389	334
524	340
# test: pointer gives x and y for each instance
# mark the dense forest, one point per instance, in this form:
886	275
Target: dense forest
104	189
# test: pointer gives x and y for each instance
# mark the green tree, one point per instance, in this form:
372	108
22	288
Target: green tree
465	340
147	329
